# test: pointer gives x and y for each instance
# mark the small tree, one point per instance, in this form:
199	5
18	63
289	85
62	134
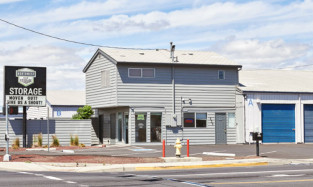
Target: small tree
83	113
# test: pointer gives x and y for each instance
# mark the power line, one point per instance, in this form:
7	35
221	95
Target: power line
299	66
63	39
96	45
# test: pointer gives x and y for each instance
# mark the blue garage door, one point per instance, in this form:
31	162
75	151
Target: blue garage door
278	123
308	123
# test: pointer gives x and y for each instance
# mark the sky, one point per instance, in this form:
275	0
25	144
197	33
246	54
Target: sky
273	34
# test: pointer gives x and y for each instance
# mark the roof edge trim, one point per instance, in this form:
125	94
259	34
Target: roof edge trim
99	51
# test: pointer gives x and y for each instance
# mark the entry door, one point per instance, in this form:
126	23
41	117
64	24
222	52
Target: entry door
125	128
101	129
220	128
113	127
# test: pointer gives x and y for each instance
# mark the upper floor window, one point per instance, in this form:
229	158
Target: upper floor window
141	72
221	74
105	78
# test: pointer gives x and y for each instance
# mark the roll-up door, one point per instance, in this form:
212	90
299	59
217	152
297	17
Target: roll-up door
278	123
308	123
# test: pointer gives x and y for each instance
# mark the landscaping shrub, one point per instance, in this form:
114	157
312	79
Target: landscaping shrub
40	140
55	141
71	141
76	141
16	143
82	145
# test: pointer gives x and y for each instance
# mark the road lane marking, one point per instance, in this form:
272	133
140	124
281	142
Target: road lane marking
264	153
187	182
285	175
70	182
245	172
23	172
53	178
261	182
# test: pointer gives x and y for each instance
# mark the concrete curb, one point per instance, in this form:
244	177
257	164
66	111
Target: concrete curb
201	166
89	167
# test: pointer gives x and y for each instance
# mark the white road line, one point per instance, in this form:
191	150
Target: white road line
265	153
48	177
22	172
53	178
231	173
285	175
187	182
195	154
70	182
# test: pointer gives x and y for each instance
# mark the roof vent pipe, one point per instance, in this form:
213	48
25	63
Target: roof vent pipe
172	51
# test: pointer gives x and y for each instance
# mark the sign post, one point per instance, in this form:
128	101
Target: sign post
24	86
48	129
7	156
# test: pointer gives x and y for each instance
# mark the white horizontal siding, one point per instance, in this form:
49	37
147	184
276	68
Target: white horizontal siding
96	95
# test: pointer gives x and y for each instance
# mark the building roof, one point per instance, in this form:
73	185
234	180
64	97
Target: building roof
66	97
276	81
162	56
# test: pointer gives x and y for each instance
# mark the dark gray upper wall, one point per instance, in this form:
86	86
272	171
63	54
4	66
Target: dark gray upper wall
191	75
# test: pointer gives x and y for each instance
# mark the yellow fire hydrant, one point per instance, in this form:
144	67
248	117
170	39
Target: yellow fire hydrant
178	147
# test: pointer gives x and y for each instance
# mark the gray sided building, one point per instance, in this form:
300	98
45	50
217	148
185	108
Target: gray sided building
146	96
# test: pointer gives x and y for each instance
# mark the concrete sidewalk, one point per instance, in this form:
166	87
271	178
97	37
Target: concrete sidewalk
74	167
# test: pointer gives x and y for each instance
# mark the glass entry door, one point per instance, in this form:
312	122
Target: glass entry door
155	130
125	128
120	126
140	127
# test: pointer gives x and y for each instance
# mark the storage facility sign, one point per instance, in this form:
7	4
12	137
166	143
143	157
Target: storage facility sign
25	86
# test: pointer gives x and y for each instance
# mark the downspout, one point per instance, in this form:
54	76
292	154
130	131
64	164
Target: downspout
173	79
244	118
301	125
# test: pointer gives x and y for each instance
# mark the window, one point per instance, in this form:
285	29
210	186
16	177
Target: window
141	72
198	122
148	72
231	120
221	74
134	72
105	78
189	120
201	120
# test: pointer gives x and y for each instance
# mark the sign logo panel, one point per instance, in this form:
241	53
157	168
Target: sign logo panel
25	76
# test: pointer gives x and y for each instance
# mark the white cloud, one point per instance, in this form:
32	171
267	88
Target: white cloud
64	66
9	1
267	54
244	20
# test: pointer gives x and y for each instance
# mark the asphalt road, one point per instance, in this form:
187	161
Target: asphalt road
287	175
